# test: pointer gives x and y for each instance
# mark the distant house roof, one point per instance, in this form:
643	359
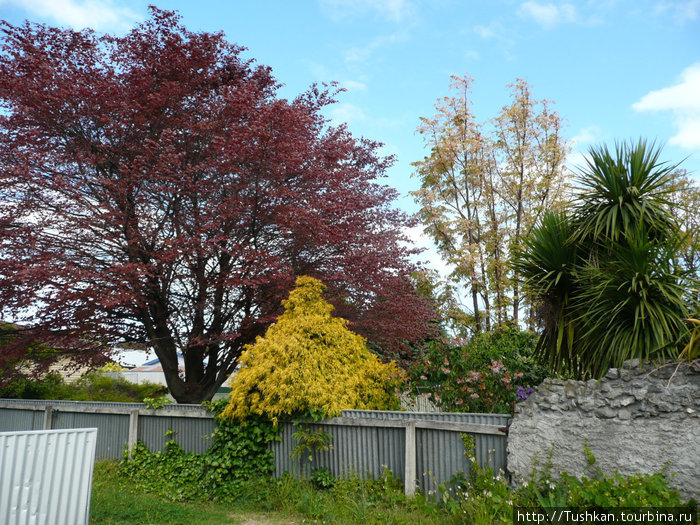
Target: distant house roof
154	365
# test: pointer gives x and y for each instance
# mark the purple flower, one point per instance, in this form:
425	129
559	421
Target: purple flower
524	392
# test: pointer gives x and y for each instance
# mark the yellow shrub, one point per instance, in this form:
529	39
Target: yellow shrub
111	367
309	363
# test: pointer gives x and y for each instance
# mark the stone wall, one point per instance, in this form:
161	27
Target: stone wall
637	419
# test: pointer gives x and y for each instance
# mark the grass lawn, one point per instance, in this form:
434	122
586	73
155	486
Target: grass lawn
275	502
114	503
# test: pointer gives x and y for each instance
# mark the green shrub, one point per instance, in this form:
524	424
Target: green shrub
27	388
311	441
93	386
96	386
482	375
322	478
481	495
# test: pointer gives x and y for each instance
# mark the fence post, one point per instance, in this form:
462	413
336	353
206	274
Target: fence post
409	482
48	417
133	429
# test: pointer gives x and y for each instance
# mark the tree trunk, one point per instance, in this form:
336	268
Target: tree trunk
475	300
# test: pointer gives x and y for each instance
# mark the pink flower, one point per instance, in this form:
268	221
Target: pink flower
473	377
447	362
445	370
424	378
496	367
518	375
475	396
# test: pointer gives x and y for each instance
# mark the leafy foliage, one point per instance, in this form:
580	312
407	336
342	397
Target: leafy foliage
310	441
164	194
28	354
116	501
692	349
484	375
310	364
238	453
605	275
599	490
322	478
624	190
487	497
26	388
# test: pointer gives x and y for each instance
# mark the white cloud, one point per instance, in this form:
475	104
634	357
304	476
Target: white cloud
363	54
682	96
548	15
682	12
471	55
393	10
100	15
493	30
683	100
346	113
419	239
353	85
576	158
585	136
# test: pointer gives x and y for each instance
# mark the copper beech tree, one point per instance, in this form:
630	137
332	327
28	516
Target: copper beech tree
155	188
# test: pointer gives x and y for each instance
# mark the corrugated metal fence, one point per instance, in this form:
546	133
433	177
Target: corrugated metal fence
46	476
119	424
424	447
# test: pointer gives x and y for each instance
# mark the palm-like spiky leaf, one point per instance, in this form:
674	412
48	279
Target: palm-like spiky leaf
623	190
547	263
606	277
630	305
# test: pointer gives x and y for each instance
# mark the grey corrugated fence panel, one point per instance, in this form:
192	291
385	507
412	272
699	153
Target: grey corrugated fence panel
440	455
113	430
190	422
366	448
457	417
46	476
122	407
16	419
361	451
190	433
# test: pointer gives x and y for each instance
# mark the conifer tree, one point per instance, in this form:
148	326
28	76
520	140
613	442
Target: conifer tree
310	364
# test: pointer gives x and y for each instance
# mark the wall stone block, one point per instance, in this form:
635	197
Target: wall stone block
639	418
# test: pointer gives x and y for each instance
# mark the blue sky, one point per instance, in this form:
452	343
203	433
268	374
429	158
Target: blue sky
616	69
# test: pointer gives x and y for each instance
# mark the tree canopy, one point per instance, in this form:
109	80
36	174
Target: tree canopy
155	188
607	274
483	187
310	364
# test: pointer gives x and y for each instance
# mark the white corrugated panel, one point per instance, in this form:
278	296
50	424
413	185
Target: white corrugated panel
46	476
